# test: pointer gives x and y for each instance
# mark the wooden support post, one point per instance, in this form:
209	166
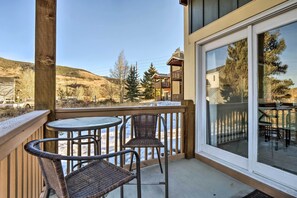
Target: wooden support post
189	128
45	60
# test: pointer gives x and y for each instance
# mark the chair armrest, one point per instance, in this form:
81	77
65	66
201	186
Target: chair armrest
33	148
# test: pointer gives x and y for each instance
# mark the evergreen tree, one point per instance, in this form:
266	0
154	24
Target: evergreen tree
147	82
234	75
132	84
273	88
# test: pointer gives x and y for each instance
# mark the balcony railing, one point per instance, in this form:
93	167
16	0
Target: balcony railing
20	173
174	116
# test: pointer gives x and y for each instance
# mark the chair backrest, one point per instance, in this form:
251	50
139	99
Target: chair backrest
145	125
51	169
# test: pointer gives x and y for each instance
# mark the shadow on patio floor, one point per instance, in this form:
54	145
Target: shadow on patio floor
187	179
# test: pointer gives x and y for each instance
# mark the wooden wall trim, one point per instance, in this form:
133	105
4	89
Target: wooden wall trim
243	178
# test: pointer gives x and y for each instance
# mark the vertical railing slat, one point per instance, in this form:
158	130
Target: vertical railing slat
30	179
100	142
89	145
116	144
4	177
171	132
182	137
33	170
25	173
176	133
40	132
68	153
124	138
12	174
20	170
107	140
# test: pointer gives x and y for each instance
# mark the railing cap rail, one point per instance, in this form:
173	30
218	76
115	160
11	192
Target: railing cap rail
126	108
12	127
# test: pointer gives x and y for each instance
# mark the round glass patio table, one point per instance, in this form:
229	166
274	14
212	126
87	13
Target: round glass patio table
83	123
78	127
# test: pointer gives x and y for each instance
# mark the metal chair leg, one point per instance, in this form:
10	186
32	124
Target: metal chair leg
131	162
158	153
122	192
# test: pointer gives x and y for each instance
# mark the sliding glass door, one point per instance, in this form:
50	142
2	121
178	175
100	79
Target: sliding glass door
247	99
226	97
275	43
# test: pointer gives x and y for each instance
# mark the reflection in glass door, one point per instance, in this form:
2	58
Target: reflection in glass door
277	98
227	98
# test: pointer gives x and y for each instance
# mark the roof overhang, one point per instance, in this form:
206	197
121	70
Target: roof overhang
175	61
183	2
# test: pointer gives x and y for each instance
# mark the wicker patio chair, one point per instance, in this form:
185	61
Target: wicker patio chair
144	127
95	179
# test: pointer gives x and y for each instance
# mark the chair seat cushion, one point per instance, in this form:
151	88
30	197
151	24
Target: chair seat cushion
143	142
96	179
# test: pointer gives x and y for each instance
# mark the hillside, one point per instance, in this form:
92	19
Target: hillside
71	82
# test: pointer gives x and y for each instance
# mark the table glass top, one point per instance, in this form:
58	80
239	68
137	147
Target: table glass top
83	123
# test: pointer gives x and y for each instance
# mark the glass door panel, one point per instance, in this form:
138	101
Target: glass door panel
277	98
227	98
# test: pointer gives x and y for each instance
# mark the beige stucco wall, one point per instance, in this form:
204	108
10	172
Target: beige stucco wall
251	9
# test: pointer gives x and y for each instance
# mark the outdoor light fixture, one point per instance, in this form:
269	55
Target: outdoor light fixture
183	2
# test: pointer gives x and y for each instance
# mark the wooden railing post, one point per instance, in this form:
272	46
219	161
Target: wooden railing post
45	61
189	128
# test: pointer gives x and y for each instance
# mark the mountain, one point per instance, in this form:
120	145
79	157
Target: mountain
74	82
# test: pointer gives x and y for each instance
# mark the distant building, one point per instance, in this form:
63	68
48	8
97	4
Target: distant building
213	91
176	63
162	86
7	88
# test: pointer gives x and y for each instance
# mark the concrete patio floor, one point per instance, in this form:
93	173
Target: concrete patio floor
187	179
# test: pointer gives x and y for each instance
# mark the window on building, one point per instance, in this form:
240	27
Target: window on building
203	12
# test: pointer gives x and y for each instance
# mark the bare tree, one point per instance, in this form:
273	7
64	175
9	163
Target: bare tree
25	85
109	90
120	73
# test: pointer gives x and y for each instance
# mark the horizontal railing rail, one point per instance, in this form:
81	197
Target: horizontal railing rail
19	171
174	117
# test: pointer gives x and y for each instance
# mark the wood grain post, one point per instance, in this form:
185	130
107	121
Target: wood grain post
45	61
189	128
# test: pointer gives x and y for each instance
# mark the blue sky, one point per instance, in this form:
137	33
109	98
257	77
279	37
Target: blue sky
92	33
